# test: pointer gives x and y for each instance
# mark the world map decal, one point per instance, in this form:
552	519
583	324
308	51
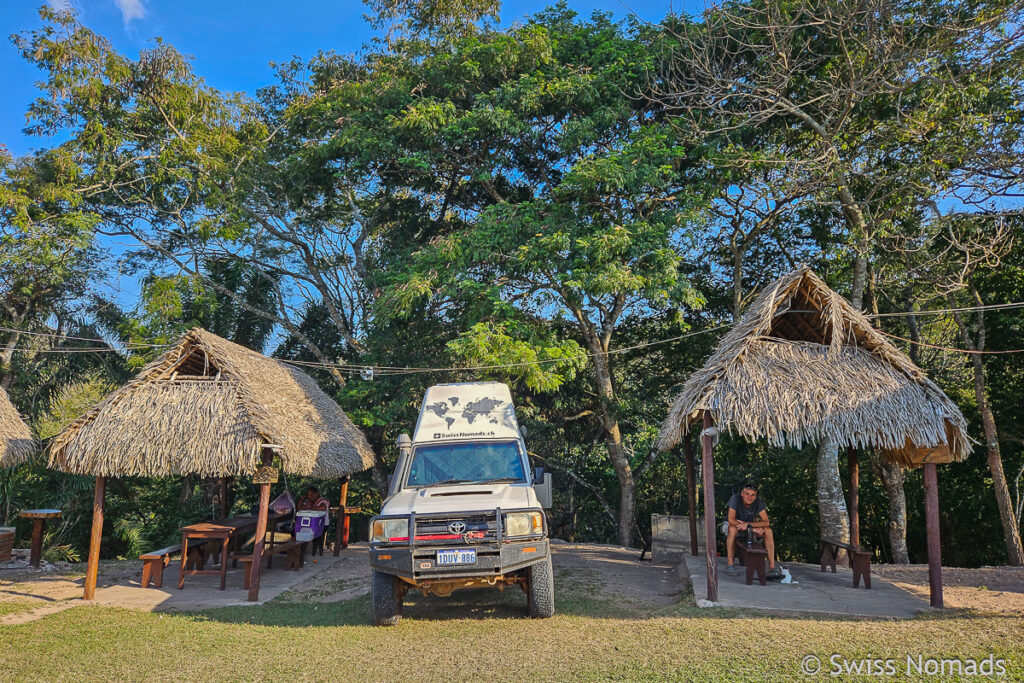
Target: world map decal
482	408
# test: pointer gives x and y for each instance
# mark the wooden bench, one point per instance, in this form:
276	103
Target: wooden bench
295	558
860	560
153	562
754	559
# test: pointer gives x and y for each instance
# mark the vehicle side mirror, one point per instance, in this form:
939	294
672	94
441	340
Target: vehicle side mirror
538	475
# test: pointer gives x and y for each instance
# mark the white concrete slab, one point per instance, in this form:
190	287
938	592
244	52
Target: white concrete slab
812	591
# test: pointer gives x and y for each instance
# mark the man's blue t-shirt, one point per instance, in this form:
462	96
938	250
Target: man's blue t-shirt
744	513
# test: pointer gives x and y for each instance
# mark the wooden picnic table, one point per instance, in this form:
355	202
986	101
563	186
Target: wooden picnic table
39	518
220	532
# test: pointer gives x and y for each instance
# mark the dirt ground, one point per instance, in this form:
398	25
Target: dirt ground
607	572
613	571
987	589
62	582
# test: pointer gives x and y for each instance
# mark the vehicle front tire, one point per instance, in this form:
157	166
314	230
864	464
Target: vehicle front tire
387	602
541	591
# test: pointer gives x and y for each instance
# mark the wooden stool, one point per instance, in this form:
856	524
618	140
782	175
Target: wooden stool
860	560
754	559
756	562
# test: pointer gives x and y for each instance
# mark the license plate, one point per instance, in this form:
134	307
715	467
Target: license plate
457	556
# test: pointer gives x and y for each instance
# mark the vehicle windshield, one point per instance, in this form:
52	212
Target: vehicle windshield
460	463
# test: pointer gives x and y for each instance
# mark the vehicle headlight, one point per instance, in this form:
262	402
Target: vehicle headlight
389	530
524	523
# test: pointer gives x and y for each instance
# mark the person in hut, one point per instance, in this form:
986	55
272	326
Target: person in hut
312	500
748	511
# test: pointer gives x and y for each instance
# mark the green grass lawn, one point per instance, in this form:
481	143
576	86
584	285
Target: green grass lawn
17	606
479	635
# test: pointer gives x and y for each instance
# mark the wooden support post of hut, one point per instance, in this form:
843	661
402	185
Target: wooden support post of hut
225	505
852	457
711	540
691	495
931	516
92	569
265	476
341	533
820	371
207	407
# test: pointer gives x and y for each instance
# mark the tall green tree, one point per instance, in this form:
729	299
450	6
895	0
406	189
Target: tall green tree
48	251
893	108
586	202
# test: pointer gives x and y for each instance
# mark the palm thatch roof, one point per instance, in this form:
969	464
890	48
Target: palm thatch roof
208	406
803	365
16	442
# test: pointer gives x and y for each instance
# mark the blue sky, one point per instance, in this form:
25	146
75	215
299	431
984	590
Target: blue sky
232	42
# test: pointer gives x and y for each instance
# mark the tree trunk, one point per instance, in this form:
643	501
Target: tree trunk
860	274
892	479
616	451
6	356
1011	533
1014	550
892	475
737	283
833	518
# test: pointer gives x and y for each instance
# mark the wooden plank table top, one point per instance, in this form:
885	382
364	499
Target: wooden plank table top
40	514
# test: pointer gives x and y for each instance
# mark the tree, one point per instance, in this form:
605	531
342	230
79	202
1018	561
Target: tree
187	172
48	254
970	247
588	201
891	106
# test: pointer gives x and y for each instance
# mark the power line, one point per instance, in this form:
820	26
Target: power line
398	370
52	335
951	348
82	349
384	370
940	311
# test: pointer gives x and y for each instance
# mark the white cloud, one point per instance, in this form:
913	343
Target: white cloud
130	9
59	5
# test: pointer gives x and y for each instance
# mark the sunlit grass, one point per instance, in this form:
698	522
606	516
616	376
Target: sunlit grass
480	635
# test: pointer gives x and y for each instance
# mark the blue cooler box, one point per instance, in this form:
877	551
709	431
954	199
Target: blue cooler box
310	524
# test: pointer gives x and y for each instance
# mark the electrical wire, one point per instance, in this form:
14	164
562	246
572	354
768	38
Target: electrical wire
384	370
940	311
397	370
951	348
51	335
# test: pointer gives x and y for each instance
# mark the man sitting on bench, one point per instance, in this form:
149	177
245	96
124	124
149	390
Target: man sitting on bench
746	509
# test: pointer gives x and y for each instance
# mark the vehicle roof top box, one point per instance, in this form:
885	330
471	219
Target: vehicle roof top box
469	410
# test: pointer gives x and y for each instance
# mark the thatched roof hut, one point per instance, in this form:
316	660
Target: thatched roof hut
16	442
208	406
803	365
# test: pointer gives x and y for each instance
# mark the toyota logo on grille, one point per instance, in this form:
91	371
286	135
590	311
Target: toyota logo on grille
457	528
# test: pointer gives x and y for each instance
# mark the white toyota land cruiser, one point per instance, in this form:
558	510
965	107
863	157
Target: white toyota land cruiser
464	509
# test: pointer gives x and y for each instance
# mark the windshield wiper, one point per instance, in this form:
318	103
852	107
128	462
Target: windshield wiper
452	481
499	480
